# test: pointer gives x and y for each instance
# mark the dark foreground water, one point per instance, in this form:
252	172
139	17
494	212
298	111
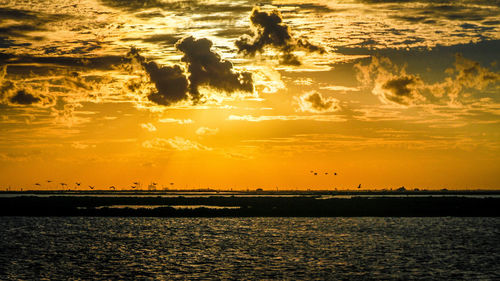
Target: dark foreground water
63	248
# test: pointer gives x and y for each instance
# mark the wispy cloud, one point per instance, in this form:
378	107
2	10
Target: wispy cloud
149	127
205	131
320	118
174	120
175	143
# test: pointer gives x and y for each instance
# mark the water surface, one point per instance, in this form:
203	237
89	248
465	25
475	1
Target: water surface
249	248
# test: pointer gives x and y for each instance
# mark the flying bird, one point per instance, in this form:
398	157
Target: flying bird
359	186
315	174
38	184
112	187
334	174
78	183
49	181
326	173
91	187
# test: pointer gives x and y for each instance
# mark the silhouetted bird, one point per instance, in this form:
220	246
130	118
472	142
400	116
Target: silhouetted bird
133	186
78	183
49	181
38	184
91	187
171	183
112	187
315	174
326	173
136	183
334	174
359	186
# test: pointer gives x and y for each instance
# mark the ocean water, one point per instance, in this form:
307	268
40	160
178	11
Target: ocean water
69	248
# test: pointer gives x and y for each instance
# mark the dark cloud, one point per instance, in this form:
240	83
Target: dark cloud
15	14
16	23
170	82
12	95
316	103
482	2
399	89
232	32
7	43
23	98
29	63
270	30
19	30
206	67
432	12
162	39
150	15
180	7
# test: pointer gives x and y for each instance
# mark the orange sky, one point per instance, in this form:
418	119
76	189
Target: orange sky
223	94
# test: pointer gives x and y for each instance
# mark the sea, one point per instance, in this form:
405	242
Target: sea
359	248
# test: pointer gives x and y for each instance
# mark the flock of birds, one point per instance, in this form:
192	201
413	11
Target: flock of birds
314	173
318	173
112	187
154	184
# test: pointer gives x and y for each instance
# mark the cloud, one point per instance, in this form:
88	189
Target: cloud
392	84
314	102
204	131
401	89
269	30
238	156
204	68
80	145
319	118
174	120
469	74
148	126
176	143
23	98
13	95
339	88
67	115
170	82
388	81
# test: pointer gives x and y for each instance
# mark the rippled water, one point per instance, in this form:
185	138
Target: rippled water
249	248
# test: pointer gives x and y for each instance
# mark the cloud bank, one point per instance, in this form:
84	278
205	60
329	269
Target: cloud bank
393	85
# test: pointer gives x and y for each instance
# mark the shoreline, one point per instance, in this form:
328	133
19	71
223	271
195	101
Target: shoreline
265	206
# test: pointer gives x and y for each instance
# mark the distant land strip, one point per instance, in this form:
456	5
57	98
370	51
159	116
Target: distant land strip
249	206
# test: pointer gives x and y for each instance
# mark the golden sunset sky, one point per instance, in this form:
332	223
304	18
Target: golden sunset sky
249	94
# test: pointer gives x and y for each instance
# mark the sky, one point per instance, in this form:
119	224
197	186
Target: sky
250	94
